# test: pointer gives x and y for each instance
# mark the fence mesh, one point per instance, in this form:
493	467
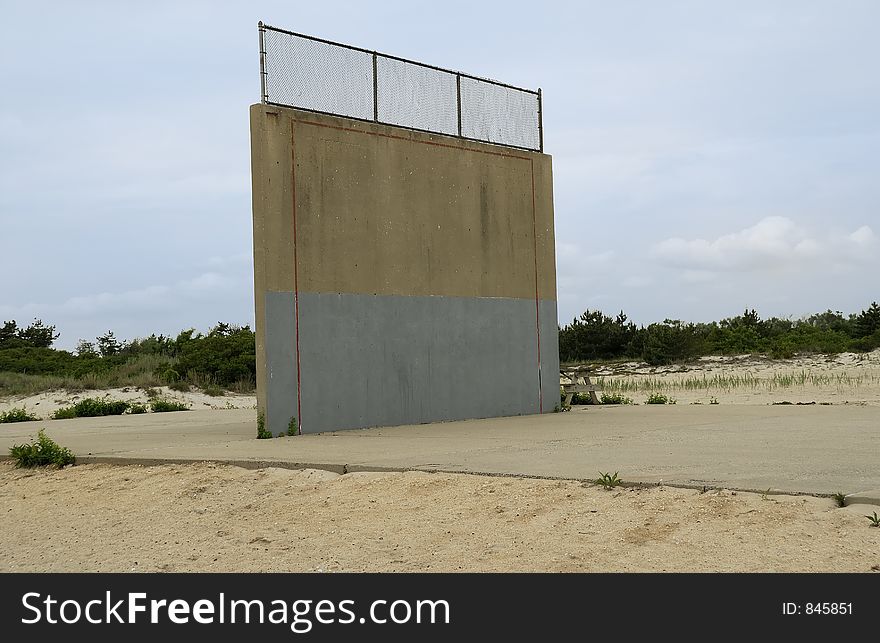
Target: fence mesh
318	76
415	96
308	73
499	114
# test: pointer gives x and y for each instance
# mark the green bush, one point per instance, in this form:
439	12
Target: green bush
608	481
213	390
92	407
262	432
659	398
17	415
137	409
615	398
43	452
292	427
181	386
226	354
166	406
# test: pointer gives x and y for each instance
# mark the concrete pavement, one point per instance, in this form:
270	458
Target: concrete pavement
800	449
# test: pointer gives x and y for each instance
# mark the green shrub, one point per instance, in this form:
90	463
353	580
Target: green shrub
213	390
262	432
182	386
43	452
292	427
659	398
137	409
165	406
17	415
92	407
615	398
226	354
608	480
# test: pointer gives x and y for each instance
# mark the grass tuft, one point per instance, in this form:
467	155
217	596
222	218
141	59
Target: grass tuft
91	407
608	481
159	405
17	415
42	452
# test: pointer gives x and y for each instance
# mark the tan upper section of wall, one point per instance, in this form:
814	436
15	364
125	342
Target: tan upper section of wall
382	210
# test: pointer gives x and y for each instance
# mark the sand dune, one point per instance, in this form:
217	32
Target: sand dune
130	518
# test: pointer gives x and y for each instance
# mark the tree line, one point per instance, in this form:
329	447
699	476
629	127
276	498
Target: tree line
596	336
225	354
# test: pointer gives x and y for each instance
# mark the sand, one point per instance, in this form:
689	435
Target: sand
845	378
44	404
210	517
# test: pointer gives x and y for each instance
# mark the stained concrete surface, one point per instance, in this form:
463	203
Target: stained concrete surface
380	234
821	450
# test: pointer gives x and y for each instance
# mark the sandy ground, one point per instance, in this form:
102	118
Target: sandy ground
43	405
208	517
846	378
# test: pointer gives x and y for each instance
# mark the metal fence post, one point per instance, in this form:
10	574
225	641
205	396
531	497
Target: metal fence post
375	87
458	96
264	97
540	122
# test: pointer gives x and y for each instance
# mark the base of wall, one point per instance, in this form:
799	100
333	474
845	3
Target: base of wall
379	360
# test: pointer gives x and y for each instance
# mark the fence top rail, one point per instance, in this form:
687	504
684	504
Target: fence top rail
264	26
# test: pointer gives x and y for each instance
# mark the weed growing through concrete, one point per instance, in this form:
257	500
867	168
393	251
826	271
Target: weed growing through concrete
292	427
43	452
839	499
875	519
262	432
608	481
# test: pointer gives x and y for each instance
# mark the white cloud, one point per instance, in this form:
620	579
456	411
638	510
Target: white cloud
772	243
864	236
637	281
698	276
150	299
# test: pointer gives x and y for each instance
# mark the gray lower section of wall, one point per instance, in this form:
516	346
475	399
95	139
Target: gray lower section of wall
371	360
549	353
281	401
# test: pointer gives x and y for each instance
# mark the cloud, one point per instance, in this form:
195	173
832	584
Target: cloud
772	243
637	281
198	301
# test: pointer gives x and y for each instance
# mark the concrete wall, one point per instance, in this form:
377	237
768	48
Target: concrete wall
400	277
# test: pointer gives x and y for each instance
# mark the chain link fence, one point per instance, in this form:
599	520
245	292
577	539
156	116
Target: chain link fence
323	76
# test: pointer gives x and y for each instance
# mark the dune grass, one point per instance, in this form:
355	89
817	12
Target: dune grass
728	383
143	371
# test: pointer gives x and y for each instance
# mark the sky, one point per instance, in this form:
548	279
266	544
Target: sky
707	156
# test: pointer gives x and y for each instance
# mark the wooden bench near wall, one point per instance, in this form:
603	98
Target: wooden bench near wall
574	377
